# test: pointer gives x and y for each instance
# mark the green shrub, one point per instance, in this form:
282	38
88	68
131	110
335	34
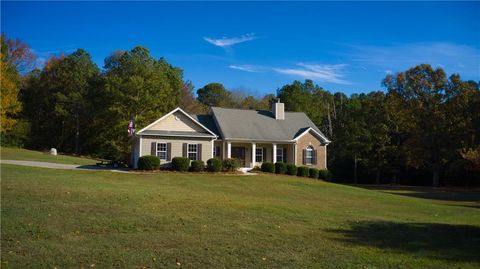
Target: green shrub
256	168
325	174
302	171
197	166
313	173
280	168
291	169
268	167
231	165
180	164
148	162
214	165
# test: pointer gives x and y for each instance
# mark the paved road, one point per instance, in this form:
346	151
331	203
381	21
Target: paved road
62	166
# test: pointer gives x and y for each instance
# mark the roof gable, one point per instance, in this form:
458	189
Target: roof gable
177	120
319	135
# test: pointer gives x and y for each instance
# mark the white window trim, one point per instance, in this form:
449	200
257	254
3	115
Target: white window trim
261	150
309	148
281	156
166	150
195	152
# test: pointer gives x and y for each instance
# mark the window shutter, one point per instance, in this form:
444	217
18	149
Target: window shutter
154	149
184	151
264	155
285	155
169	152
304	156
314	157
199	152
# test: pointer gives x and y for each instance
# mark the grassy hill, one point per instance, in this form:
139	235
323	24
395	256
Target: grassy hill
73	219
32	155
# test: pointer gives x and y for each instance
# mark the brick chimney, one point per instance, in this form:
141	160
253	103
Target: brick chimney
278	110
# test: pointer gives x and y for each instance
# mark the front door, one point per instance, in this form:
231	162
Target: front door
239	154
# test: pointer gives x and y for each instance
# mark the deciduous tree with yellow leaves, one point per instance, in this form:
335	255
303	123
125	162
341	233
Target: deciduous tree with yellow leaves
16	57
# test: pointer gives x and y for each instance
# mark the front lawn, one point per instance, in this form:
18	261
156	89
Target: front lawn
32	155
73	219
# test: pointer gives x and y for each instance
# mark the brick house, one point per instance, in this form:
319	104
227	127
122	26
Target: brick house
251	136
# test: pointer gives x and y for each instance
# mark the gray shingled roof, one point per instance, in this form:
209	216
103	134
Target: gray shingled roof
176	133
207	121
259	125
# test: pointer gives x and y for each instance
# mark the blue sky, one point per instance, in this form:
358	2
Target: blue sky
259	47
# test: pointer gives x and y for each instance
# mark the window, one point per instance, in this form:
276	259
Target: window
192	151
280	155
162	151
259	155
216	151
309	155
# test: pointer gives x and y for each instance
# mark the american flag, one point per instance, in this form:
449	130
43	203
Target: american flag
131	128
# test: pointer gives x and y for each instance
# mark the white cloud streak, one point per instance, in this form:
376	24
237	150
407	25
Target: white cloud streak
246	68
317	72
227	42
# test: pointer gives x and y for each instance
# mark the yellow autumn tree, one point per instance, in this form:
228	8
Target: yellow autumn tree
10	105
15	57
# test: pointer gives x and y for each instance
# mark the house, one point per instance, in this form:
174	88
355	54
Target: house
251	136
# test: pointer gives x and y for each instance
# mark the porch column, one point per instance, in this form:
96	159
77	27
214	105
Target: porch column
254	149
274	154
213	146
229	149
295	153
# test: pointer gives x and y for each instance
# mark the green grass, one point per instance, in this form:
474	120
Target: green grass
32	155
73	219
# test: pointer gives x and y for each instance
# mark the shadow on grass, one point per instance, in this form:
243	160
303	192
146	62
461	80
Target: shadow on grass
444	194
105	168
438	241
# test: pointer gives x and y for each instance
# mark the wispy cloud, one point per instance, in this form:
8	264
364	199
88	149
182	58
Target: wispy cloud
452	57
247	68
331	73
225	42
318	72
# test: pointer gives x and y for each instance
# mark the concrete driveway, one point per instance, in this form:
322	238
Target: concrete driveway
62	166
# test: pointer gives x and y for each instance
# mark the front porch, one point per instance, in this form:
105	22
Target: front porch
251	154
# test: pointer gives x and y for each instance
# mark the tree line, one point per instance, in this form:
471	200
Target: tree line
423	129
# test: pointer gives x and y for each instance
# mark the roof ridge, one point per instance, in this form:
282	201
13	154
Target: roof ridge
245	109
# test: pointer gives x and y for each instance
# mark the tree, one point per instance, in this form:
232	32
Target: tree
10	105
15	57
59	98
378	132
188	102
139	88
214	94
473	156
424	93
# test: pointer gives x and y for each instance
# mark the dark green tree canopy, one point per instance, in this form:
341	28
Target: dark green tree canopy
213	94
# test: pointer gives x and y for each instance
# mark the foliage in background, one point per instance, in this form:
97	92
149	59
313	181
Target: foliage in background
416	132
15	58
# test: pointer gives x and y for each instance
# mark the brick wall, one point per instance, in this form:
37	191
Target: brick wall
310	140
